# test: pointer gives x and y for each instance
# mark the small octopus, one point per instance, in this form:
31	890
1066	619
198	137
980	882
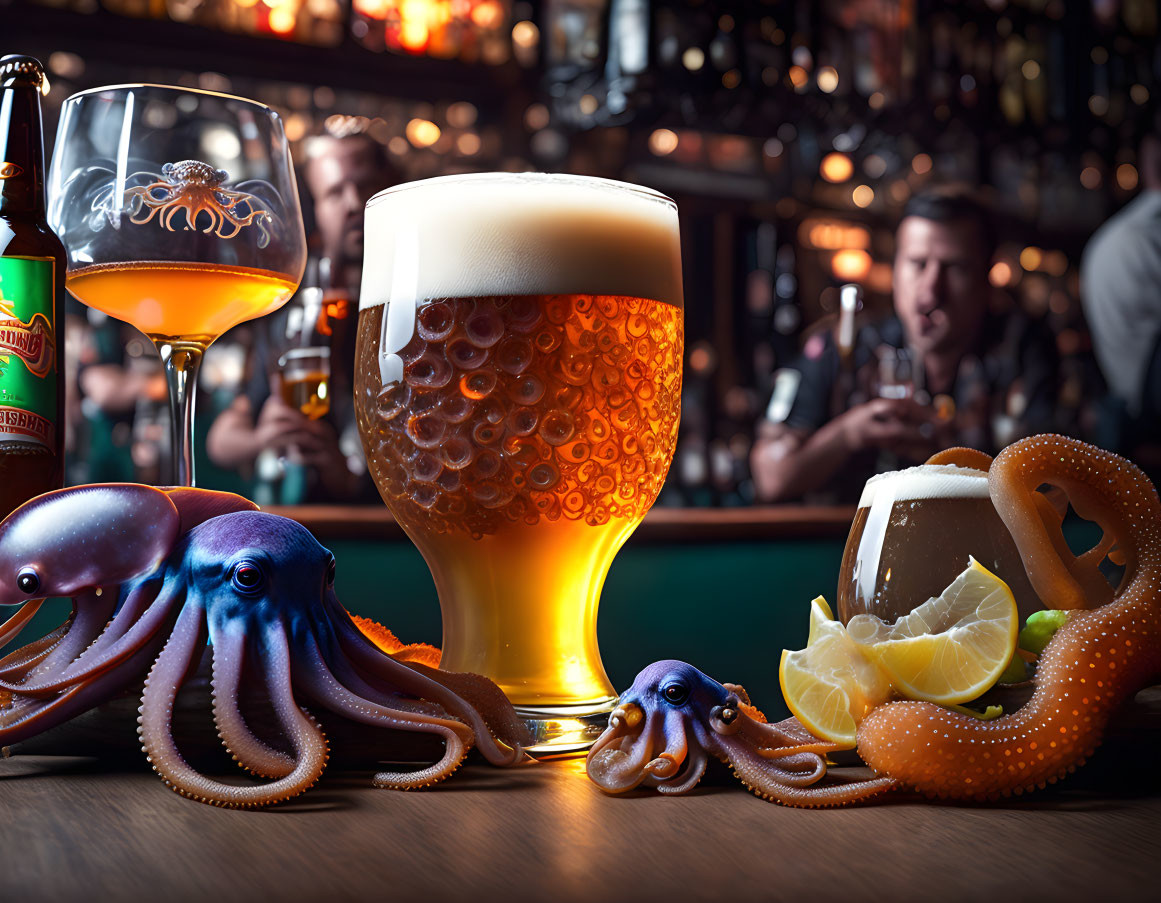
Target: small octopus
674	716
196	188
1109	648
155	573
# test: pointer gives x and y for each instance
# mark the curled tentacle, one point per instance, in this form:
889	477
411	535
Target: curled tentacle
161	689
248	750
790	788
1092	664
687	779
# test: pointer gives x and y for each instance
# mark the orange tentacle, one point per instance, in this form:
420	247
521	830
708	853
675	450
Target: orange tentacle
1097	660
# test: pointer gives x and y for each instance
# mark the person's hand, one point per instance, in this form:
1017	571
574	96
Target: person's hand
898	425
280	426
314	442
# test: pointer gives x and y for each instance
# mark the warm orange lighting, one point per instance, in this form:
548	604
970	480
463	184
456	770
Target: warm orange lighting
830	235
1098	105
663	142
588	104
422	132
798	77
1031	257
731	79
851	264
862	196
921	164
1055	263
462	114
282	20
1000	274
488	14
1030	70
828	79
876	100
1140	94
295	127
1127	176
1090	177
900	191
700	359
836	167
372	9
468	144
525	34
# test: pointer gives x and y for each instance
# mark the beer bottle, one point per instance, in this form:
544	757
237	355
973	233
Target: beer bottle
32	273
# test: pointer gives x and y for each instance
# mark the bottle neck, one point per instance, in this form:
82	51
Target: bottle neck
21	153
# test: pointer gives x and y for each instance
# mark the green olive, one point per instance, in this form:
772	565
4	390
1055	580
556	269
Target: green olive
1041	627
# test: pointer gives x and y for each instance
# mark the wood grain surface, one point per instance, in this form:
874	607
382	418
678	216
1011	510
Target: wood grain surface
79	830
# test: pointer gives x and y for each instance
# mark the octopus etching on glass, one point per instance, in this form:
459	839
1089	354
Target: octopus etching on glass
153	575
1109	648
195	188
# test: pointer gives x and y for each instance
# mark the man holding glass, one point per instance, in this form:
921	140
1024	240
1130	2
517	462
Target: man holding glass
340	175
943	371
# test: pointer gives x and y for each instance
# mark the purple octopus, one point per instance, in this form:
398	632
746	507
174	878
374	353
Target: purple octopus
155	573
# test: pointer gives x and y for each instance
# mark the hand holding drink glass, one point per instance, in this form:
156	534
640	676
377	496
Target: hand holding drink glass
180	214
517	387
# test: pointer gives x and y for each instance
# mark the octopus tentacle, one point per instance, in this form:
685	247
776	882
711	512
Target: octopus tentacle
247	749
420	682
755	772
1096	660
960	456
91	613
318	679
12	627
694	771
161	689
782	738
18	663
133	640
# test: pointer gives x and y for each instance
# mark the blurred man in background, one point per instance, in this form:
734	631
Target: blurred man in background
941	372
341	174
1121	293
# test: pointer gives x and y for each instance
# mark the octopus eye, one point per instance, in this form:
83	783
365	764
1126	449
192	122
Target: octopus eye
675	694
331	572
247	577
28	581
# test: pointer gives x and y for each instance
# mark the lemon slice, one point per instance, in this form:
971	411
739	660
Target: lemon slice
832	683
951	648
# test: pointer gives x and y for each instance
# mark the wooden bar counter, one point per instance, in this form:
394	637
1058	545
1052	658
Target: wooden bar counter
76	830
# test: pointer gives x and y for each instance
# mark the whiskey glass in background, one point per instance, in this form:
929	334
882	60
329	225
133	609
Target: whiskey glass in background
179	212
517	389
911	537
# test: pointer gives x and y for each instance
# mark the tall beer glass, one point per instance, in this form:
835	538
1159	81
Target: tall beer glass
518	389
912	535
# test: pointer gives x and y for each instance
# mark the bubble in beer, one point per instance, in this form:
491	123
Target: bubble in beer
518	409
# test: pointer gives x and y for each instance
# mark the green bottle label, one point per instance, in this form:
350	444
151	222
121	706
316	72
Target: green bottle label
27	350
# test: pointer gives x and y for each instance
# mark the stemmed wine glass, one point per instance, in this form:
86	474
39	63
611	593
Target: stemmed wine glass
179	212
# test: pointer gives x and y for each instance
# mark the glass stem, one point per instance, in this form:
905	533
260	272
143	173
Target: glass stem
181	373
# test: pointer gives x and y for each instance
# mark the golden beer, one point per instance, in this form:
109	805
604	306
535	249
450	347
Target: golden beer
521	429
307	392
180	303
912	535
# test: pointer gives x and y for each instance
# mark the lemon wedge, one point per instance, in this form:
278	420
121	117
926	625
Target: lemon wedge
951	648
832	683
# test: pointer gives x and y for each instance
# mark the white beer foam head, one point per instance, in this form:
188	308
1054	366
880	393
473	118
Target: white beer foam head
927	481
519	234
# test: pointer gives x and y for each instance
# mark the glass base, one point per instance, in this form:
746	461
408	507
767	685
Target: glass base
566	729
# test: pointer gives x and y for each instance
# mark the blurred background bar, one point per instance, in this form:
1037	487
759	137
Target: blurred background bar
791	134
